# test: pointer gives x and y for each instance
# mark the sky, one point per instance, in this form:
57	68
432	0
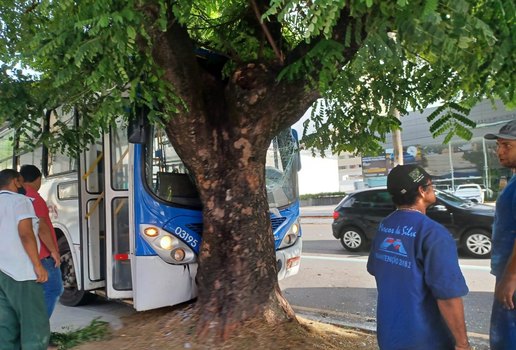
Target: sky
317	174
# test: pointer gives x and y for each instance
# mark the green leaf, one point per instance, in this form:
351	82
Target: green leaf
430	7
131	33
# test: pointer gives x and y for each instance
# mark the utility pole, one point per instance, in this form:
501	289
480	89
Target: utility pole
396	142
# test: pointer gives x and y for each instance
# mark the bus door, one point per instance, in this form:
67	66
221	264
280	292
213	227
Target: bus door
93	217
116	198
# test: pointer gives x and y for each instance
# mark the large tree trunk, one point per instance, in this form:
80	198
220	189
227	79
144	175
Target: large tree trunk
237	275
222	134
226	153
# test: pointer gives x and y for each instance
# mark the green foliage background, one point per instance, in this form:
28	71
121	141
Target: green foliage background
96	56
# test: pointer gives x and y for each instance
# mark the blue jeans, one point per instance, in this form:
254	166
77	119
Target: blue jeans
503	328
53	288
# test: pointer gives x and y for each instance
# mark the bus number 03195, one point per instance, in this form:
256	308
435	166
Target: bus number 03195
181	233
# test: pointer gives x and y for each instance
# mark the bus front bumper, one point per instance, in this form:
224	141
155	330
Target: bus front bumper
289	259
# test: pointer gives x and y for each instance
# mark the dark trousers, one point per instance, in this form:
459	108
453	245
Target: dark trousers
503	328
23	315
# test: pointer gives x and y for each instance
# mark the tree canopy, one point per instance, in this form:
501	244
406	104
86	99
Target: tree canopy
364	58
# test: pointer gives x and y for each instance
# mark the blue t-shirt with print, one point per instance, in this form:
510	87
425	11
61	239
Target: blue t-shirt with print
414	261
504	228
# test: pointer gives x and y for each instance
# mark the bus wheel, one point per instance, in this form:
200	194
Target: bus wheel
71	296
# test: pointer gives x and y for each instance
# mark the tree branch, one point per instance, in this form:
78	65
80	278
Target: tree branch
339	35
267	33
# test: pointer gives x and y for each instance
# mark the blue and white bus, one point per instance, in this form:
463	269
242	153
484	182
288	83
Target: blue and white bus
128	216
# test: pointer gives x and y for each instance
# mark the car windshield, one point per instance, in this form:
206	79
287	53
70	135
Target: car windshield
452	199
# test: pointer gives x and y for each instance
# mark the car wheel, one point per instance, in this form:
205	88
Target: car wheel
477	243
353	239
71	296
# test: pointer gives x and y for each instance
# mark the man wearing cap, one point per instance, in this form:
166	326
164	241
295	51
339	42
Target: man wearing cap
415	264
503	254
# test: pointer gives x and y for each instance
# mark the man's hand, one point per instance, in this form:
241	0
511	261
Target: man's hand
57	258
504	291
41	273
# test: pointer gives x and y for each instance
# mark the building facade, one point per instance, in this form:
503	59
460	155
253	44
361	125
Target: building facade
460	161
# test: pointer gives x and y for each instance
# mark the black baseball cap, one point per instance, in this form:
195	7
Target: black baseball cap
508	131
406	179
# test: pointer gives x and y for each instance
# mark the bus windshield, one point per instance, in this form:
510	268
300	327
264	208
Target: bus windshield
169	179
281	168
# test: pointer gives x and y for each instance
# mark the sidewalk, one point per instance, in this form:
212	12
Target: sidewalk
65	318
318	211
317	214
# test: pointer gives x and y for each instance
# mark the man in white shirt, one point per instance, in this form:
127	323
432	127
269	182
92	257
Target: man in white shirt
23	316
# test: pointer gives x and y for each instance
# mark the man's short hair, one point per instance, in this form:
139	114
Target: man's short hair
30	172
403	183
6	176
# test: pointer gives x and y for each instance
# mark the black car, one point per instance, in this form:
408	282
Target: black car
357	216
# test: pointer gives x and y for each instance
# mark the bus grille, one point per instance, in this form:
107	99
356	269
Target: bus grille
197	228
276	222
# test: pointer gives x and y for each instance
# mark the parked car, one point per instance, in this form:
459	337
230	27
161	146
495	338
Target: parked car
357	216
488	193
473	192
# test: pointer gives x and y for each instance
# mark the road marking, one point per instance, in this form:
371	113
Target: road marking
475	267
364	260
334	258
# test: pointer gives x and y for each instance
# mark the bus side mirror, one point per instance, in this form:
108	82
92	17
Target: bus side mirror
137	128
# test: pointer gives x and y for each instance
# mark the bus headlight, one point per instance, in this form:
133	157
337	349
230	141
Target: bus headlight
291	237
151	231
178	254
169	248
167	242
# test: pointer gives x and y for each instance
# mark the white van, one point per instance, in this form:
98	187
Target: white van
473	192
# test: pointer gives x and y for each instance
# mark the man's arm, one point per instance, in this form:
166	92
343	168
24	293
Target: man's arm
45	235
452	311
505	289
28	241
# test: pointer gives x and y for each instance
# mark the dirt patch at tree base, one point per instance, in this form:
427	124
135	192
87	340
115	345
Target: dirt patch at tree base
174	328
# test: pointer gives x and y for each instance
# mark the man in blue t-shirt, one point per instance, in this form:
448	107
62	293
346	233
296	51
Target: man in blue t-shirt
414	261
503	255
